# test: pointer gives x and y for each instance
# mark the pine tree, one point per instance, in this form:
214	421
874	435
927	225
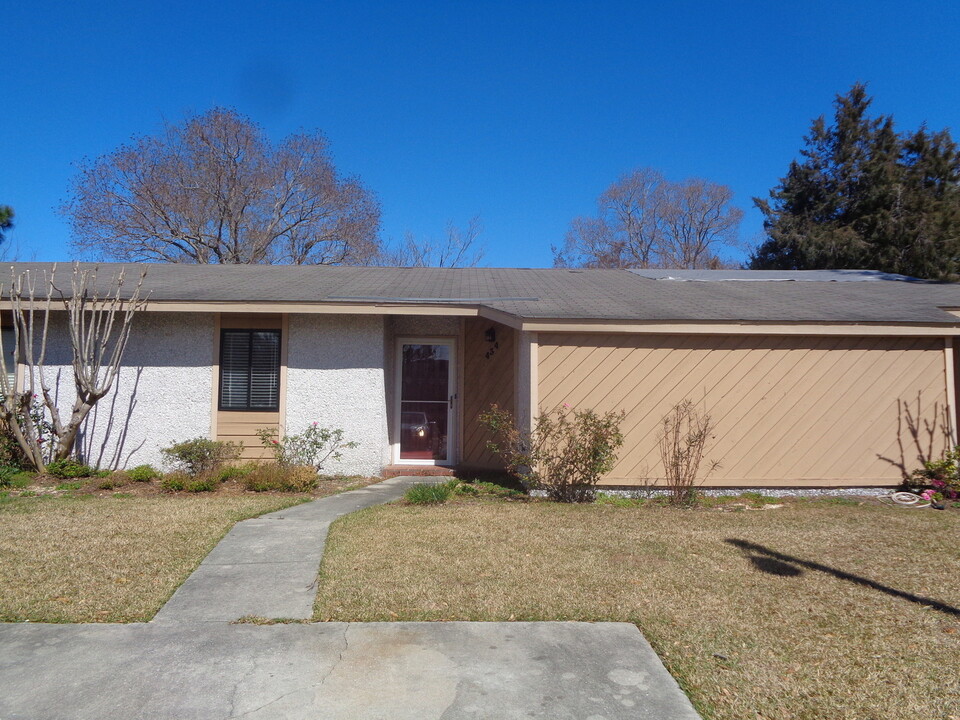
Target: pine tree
863	196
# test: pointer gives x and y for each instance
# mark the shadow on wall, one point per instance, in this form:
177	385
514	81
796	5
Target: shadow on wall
102	448
925	434
777	563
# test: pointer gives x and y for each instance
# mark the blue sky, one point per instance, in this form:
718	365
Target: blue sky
519	112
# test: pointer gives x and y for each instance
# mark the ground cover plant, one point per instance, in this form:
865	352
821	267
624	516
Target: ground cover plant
108	559
812	609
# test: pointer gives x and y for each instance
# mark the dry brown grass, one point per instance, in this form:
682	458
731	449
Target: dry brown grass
90	559
743	640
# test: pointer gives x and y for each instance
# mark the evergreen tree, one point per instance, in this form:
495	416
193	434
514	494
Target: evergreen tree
862	196
6	219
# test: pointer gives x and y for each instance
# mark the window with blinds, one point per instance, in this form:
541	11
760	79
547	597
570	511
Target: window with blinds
250	370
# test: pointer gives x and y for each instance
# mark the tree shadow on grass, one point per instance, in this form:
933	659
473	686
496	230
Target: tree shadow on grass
776	563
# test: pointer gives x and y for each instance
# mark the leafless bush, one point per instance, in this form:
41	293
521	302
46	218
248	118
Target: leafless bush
683	436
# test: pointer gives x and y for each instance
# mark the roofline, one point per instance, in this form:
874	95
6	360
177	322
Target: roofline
563	325
655	327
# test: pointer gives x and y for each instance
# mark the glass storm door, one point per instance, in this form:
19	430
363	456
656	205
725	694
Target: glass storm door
426	401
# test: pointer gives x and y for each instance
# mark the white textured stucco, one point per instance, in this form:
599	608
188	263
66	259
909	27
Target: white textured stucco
335	376
162	394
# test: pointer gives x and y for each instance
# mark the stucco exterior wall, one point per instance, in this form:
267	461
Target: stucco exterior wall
791	411
162	394
335	376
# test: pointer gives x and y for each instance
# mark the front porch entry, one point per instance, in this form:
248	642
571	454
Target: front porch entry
425	407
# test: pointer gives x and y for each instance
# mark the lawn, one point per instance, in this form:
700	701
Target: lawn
109	559
812	610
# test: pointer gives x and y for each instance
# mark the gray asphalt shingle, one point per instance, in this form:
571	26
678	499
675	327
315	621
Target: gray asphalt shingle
546	293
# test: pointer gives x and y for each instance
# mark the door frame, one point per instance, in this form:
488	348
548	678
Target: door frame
452	392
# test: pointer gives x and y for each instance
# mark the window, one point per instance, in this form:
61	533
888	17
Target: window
250	370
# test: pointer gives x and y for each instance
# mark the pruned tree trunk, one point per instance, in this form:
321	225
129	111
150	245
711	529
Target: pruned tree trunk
98	321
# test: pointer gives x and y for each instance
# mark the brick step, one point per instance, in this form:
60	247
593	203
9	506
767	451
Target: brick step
392	471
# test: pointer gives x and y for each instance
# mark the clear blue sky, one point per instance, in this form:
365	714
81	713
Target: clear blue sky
519	112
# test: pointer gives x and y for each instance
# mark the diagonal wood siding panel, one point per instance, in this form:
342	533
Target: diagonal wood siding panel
488	377
788	410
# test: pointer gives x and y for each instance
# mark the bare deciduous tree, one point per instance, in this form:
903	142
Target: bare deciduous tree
214	189
98	320
644	220
459	248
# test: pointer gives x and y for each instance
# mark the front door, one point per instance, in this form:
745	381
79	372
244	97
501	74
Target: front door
426	390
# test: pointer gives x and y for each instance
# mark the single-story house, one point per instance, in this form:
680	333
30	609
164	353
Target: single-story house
812	379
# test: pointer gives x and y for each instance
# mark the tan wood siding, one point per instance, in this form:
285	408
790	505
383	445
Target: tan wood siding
787	410
241	426
488	377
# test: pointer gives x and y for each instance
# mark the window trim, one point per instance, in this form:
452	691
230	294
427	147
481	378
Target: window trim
250	332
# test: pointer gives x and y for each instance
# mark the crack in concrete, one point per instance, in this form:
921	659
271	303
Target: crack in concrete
346	646
266	704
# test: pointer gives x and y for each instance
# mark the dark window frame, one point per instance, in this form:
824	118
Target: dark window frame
250	332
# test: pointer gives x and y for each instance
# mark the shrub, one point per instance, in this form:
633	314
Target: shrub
683	435
425	494
267	477
143	473
200	456
313	447
109	483
942	476
7	473
565	454
69	468
174	482
234	472
184	482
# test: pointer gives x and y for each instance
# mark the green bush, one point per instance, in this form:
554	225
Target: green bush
274	477
69	468
234	472
565	454
313	447
943	476
7	473
424	494
182	482
200	456
143	473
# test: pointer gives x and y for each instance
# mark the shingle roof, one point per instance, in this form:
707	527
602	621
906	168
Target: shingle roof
547	293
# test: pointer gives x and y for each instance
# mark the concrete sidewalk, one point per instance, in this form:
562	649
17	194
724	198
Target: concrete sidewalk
335	671
267	566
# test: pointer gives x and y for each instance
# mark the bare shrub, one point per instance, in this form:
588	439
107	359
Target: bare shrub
565	454
683	435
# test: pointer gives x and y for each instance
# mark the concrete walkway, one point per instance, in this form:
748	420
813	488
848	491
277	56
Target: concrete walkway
334	671
267	566
190	662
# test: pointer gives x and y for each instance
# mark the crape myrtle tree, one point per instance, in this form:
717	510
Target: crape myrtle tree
643	220
99	318
864	196
215	189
